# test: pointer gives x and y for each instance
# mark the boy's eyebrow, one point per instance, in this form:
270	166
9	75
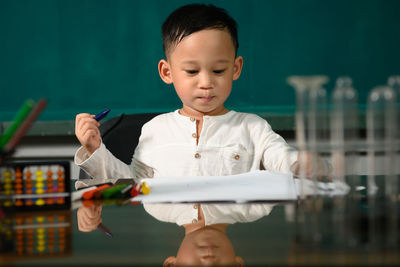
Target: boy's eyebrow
223	61
189	62
195	62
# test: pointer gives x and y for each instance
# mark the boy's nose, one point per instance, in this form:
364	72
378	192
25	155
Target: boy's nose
205	81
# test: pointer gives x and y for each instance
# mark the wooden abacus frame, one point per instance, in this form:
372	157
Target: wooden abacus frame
66	194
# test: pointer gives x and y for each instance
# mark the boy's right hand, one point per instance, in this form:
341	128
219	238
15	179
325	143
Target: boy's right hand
89	217
87	131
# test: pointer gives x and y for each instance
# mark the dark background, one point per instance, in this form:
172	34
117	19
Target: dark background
85	56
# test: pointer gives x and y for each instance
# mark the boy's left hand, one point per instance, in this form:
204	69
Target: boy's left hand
312	165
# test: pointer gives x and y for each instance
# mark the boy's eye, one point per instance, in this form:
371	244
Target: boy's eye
191	71
219	71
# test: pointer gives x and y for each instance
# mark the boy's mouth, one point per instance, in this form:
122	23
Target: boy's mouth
206	98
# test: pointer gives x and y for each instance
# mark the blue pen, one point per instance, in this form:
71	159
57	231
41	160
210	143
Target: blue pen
102	114
105	230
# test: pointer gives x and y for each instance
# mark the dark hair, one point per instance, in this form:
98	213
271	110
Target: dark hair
192	18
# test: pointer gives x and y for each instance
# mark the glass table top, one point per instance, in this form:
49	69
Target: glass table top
317	231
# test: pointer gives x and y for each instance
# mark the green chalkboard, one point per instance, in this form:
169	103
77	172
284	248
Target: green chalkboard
84	56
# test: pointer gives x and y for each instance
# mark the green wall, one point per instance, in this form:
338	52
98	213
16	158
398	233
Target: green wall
84	56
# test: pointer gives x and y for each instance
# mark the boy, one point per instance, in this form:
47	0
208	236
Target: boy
203	137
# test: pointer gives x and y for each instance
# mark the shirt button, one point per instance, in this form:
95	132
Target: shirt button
192	119
237	156
194	135
194	221
197	155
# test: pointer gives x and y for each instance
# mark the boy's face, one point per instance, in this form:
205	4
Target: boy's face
206	246
202	67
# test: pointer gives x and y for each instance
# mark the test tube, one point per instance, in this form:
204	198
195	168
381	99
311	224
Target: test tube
311	127
344	136
382	181
344	129
394	82
381	140
311	118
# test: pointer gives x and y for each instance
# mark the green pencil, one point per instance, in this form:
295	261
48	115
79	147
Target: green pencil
18	119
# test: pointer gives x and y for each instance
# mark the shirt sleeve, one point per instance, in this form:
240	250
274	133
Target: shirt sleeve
102	165
142	161
278	155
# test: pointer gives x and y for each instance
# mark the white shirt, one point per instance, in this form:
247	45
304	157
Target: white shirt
213	213
229	144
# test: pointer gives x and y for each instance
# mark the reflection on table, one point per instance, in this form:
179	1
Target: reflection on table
354	229
30	236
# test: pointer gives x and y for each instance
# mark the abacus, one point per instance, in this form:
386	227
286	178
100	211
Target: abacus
35	185
35	234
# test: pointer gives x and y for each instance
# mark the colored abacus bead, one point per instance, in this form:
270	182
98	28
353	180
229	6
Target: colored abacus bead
39	173
40	202
18	173
7	203
28	185
49	201
50	246
40	219
39	190
8	186
19	203
60	172
18	185
49	173
39	187
50	219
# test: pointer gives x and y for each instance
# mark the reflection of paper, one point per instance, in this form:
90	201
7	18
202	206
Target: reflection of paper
310	187
252	186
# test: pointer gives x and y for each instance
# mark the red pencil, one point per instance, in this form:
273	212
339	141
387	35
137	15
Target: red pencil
90	194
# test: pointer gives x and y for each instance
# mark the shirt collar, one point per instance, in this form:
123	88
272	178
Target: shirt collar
219	117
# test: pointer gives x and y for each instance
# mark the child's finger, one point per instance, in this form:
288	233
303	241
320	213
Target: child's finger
93	212
85	123
91	133
79	117
82	129
89	124
84	118
89	136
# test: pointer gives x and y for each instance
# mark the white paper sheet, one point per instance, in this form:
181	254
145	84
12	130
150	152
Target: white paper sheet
252	186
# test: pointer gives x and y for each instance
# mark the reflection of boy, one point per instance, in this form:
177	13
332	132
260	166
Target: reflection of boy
206	246
205	242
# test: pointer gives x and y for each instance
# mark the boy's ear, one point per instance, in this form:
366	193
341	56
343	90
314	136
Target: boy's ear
170	261
164	70
237	67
